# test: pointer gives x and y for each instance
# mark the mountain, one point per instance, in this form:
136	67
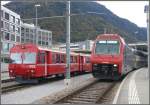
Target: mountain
85	26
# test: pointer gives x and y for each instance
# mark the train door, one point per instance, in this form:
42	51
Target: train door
42	62
81	63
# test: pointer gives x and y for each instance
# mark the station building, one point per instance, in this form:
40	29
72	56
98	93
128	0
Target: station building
79	46
28	35
14	31
10	31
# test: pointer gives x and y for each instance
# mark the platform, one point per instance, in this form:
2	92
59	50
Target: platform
37	92
5	75
134	89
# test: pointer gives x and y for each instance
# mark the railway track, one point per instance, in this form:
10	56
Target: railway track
91	94
12	87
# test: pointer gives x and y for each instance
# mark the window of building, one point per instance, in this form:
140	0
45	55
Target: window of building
10	46
39	42
18	21
2	34
39	36
46	37
39	32
5	47
43	42
22	40
12	18
2	13
6	25
26	40
27	30
27	35
2	24
31	30
22	35
31	36
18	38
47	43
12	28
18	30
6	36
22	29
6	16
12	37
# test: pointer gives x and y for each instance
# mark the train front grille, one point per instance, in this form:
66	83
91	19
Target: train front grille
103	69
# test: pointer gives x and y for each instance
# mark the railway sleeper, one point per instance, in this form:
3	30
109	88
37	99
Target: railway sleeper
91	93
84	96
84	99
93	90
74	101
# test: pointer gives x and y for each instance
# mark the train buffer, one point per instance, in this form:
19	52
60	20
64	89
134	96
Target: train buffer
134	89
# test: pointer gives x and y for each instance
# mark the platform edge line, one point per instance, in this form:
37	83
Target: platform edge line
117	95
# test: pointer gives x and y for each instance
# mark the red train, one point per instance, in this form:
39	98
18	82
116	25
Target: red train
30	62
111	57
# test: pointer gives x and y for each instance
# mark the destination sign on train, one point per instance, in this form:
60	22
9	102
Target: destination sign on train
104	41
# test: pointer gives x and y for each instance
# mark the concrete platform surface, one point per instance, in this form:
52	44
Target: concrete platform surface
134	89
5	75
33	93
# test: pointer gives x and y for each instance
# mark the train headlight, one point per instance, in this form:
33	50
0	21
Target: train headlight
32	71
115	65
95	64
11	71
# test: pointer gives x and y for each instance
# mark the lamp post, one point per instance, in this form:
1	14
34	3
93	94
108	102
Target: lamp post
36	24
67	79
146	10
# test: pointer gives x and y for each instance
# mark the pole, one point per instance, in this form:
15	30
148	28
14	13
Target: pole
36	24
146	10
67	80
148	39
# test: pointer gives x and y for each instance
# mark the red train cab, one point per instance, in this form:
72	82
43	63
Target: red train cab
29	61
107	56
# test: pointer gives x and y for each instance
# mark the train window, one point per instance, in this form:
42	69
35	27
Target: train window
29	58
53	58
107	47
57	58
62	58
16	58
41	58
87	60
75	59
71	59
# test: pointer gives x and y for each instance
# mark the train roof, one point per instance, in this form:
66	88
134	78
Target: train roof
57	51
34	47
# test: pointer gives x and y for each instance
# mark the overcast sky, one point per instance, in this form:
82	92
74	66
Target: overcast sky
131	10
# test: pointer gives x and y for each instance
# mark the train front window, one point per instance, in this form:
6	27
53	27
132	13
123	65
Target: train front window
25	58
16	58
107	47
29	58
